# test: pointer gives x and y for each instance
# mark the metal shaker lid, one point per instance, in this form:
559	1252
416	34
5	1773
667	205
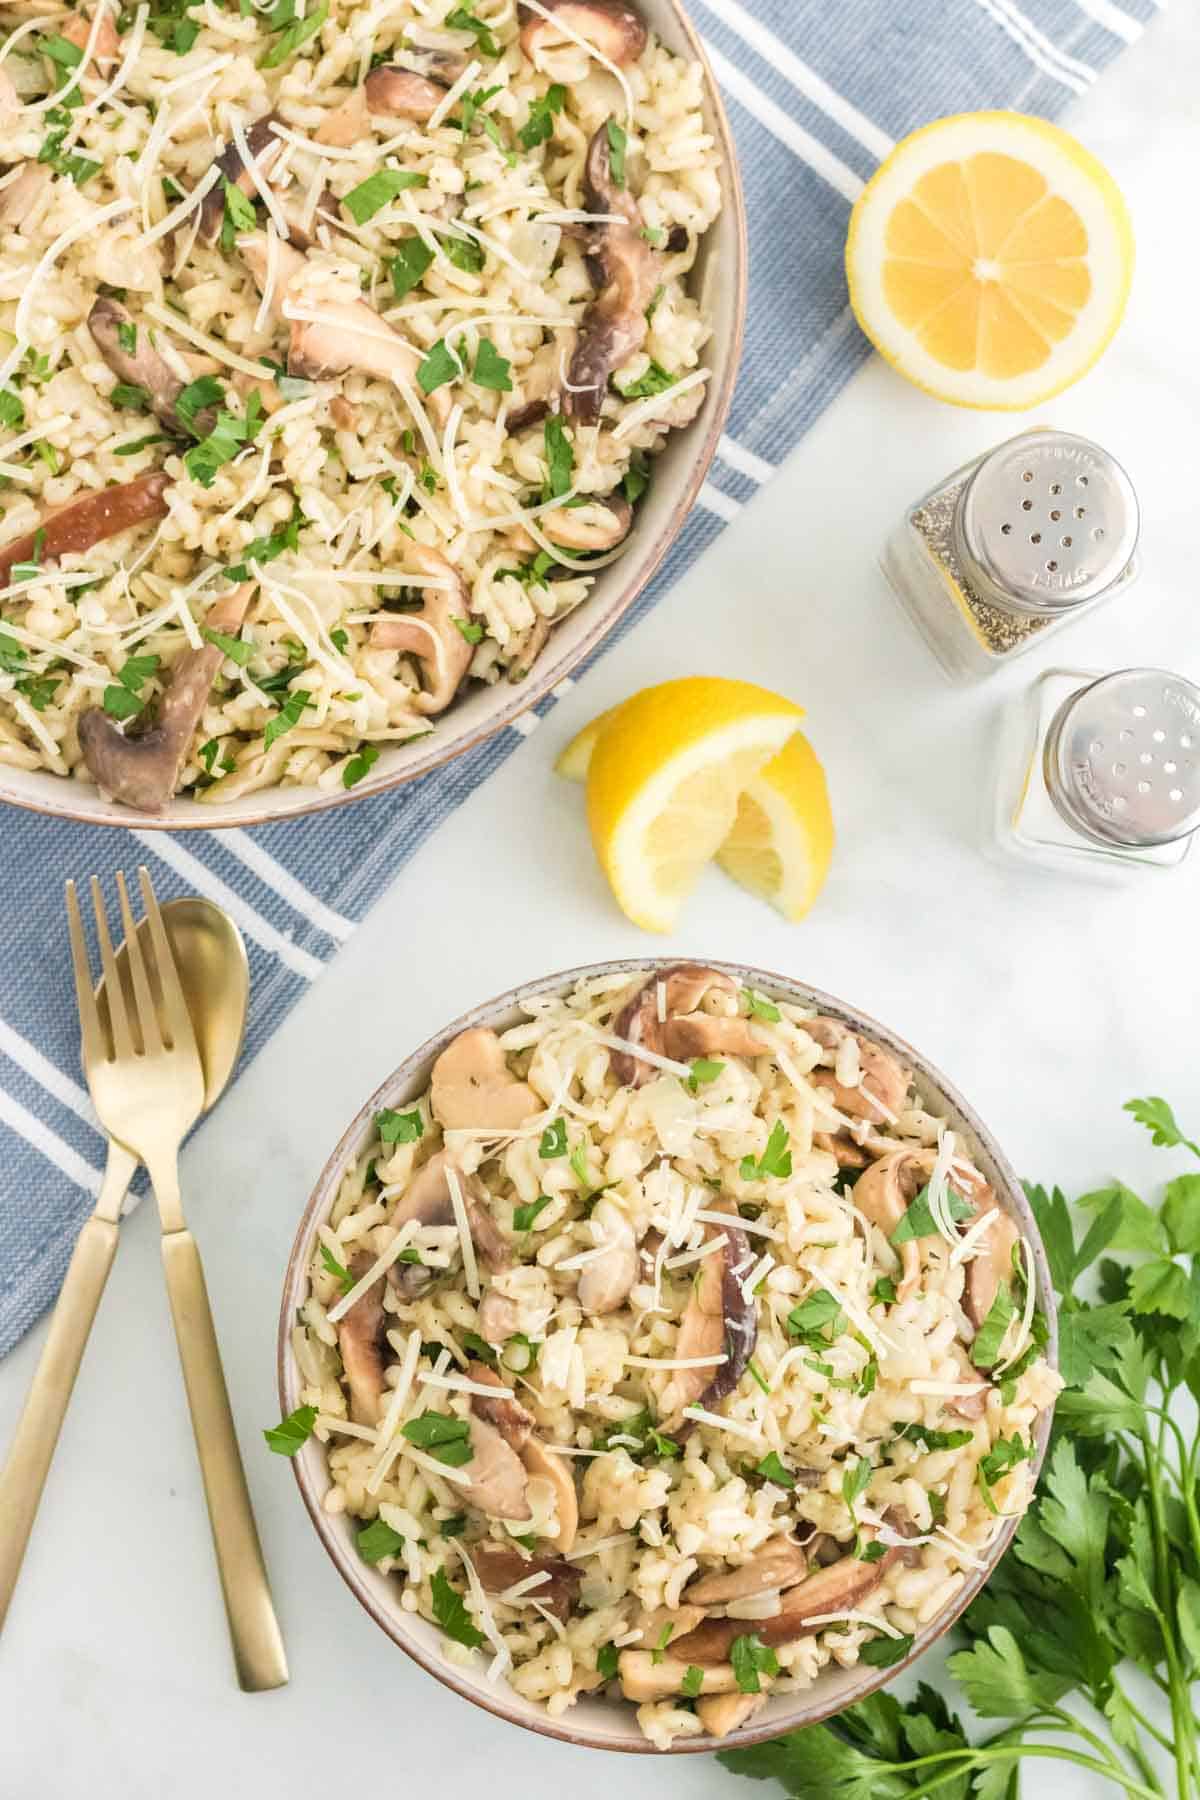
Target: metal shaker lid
1047	522
1122	758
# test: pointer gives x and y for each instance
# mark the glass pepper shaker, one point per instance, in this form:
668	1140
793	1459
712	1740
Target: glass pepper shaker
1012	546
1100	774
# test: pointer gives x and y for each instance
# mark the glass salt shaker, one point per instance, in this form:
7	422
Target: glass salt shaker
1012	546
1100	774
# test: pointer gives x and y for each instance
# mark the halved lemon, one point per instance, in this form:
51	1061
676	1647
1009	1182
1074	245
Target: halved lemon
663	783
781	841
989	259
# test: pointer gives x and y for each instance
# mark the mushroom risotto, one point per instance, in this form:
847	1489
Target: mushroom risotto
337	338
667	1345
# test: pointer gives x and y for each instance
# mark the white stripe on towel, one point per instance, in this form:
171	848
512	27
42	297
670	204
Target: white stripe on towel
52	1147
190	869
801	143
1012	24
1121	24
281	881
48	1075
714	501
806	81
744	461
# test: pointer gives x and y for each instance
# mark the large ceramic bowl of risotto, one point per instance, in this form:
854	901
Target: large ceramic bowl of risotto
667	1354
357	369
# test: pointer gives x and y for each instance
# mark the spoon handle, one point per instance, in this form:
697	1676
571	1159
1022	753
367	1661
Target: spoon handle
257	1642
36	1436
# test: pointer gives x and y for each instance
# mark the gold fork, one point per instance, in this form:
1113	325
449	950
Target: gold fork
147	1086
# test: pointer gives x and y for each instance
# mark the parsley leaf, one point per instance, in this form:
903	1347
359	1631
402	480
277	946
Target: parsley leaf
855	1482
524	1217
606	1661
560	458
540	124
553	1140
885	1652
442	1435
772	1469
333	1266
819	1318
918	1216
1159	1121
289	714
409	264
654	381
465	254
125	700
371	195
451	1614
294	37
378	1540
439	366
617	145
991	1334
468	628
292	1433
751	1658
491	369
703	1071
758	1007
399	1128
776	1159
692	1683
360	765
236	649
461	19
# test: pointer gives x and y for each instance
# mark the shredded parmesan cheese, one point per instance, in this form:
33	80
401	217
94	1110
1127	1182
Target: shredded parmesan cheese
470	1267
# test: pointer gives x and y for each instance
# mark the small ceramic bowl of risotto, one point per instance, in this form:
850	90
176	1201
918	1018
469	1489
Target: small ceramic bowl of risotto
671	1355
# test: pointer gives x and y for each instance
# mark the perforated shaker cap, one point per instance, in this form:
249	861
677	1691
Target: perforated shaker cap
1047	522
1122	758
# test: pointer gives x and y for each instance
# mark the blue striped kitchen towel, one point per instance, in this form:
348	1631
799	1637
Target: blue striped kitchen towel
815	99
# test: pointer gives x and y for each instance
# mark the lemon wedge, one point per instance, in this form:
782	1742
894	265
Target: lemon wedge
697	769
989	259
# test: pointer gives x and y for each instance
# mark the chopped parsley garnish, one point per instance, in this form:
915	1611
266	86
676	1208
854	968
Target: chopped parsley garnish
759	1008
461	19
654	381
339	639
524	1217
365	200
228	435
479	1347
266	549
26	571
329	1260
410	262
289	714
468	628
637	478
855	1482
142	443
606	1661
991	1334
617	145
932	1439
170	25
52	154
776	1159
454	1526
196	398
360	765
239	214
39	690
451	1614
208	756
378	1540
12	654
491	369
440	366
560	458
704	1070
1000	1460
918	1217
128	395
883	1652
295	35
127	337
751	1658
443	1435
553	1141
236	649
692	1683
291	1433
771	1469
399	1128
660	1649
884	1292
124	700
540	124
61	51
465	254
756	1375
48	454
12	409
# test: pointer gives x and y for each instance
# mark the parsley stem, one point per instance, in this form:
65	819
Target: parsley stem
969	1758
1179	1695
1137	1754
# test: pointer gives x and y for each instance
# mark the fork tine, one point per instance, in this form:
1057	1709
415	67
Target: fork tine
147	1012
179	1019
114	993
95	1044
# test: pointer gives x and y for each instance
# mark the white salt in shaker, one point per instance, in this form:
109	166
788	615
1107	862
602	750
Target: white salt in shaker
1012	546
1100	774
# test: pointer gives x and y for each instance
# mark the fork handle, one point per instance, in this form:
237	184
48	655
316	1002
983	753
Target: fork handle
257	1643
37	1431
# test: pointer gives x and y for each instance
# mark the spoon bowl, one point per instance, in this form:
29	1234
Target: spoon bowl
215	976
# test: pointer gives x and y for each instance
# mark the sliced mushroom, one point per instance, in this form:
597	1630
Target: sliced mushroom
648	1675
497	1317
598	526
842	1586
496	1477
705	1034
616	29
883	1087
684	987
722	1713
19	196
360	1341
719	1317
503	1410
848	1153
327	211
499	1568
472	1085
264	147
992	1266
884	1192
604	1283
89	520
431	635
402	94
428	1202
626	272
525	651
107	46
143	366
779	1564
346	124
141	768
515	1425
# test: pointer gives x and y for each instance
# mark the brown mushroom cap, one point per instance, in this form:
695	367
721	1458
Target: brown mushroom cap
718	1317
88	520
499	1568
513	1421
637	1020
781	1563
838	1588
143	365
402	94
626	271
883	1087
472	1085
264	147
496	1477
360	1341
428	1202
616	29
431	636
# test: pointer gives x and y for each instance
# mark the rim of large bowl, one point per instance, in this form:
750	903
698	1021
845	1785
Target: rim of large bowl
767	981
528	693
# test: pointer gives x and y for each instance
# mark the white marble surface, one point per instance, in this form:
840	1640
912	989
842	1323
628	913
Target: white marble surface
1048	1002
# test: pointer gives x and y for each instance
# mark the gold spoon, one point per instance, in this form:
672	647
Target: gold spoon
215	976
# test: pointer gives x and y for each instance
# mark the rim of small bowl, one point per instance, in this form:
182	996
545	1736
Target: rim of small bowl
534	688
499	1700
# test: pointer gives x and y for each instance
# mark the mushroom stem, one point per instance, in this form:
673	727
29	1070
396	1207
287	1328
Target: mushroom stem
431	635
